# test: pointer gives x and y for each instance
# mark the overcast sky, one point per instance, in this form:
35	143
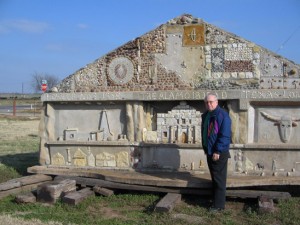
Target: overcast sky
58	37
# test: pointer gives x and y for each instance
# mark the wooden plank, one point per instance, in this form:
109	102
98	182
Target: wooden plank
10	185
166	179
257	193
31	179
18	190
107	184
163	179
74	198
168	202
22	181
50	192
103	191
229	193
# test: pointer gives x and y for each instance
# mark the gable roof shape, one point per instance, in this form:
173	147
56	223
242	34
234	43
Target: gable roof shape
186	53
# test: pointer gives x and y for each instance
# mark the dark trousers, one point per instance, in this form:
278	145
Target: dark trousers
218	173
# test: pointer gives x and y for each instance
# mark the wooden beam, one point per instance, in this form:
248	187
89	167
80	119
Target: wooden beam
192	191
179	179
103	191
73	198
168	202
159	179
114	185
23	181
18	190
257	193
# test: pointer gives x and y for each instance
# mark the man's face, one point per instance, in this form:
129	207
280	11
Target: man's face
211	103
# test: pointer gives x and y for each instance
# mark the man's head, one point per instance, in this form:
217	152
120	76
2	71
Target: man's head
211	101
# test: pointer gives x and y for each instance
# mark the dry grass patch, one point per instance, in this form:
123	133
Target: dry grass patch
9	220
12	128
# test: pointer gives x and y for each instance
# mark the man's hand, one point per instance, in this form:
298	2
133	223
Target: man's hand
216	157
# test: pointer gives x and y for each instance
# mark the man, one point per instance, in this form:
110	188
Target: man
216	137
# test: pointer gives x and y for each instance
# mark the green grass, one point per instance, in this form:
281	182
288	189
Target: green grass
7	173
94	210
18	155
135	208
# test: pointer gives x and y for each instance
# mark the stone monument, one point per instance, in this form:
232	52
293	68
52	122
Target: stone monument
139	107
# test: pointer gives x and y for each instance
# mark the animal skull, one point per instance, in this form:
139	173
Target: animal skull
284	123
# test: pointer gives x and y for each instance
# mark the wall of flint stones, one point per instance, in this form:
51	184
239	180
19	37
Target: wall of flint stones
230	62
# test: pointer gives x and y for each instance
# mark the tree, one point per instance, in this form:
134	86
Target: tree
37	79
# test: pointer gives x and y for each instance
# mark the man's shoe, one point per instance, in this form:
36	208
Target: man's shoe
215	210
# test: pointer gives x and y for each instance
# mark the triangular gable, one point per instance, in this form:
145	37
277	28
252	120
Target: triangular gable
186	53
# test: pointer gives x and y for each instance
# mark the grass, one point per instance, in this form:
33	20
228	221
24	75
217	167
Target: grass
138	208
125	207
7	173
17	155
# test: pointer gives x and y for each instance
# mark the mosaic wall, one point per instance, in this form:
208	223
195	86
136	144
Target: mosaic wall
186	53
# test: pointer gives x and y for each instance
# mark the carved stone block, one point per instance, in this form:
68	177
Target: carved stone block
194	35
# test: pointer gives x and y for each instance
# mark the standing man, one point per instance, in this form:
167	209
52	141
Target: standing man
216	137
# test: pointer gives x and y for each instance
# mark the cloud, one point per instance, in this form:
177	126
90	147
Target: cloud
23	25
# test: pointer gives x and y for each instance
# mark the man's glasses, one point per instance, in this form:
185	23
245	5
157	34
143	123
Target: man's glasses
210	102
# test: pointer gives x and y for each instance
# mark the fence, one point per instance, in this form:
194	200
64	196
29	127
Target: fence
28	107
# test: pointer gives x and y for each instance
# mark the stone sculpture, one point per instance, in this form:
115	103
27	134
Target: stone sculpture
284	123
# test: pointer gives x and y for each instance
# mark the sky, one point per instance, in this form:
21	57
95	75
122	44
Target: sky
58	37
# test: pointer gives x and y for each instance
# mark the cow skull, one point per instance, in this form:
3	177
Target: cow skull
284	123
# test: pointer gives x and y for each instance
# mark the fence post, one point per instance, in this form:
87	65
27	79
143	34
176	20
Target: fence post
14	107
34	106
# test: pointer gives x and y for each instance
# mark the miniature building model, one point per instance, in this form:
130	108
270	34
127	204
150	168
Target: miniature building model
139	107
180	125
